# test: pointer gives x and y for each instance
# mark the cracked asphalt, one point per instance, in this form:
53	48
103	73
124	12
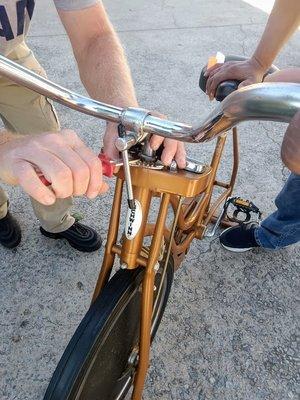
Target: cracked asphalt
230	331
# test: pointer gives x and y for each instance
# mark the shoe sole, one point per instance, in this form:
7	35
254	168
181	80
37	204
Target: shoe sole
12	245
236	250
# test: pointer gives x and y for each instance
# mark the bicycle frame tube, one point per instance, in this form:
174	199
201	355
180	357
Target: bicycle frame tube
265	101
148	183
275	102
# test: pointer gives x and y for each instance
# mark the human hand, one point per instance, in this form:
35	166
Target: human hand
64	160
248	72
173	149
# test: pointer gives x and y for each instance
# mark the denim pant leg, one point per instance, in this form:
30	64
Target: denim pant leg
282	228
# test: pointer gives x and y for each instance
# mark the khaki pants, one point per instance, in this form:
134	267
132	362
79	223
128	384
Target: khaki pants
26	112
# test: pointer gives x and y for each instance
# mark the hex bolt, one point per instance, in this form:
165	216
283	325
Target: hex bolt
156	267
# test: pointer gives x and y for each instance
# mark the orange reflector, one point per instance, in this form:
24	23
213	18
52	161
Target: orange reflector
219	58
211	61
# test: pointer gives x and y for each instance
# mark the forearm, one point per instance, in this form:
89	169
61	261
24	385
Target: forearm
284	75
290	149
282	23
104	71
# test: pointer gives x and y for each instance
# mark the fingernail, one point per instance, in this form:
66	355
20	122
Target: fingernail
154	146
104	188
49	200
92	195
205	74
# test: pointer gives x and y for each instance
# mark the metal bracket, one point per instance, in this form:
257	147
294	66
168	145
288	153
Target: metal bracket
191	165
134	118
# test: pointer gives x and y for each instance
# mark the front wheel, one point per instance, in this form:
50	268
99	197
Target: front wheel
101	359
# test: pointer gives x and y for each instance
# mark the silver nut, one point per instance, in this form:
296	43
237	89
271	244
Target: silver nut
124	143
156	267
173	166
121	144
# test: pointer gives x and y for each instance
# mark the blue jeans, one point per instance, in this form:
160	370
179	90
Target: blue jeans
282	228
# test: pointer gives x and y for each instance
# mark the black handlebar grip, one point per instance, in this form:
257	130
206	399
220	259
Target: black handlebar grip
225	88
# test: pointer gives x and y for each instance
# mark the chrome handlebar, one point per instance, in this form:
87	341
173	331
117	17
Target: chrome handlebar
267	101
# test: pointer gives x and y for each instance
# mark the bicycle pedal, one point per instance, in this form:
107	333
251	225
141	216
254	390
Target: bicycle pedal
241	207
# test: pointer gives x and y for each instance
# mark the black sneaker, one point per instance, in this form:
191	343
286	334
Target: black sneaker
79	236
10	232
239	238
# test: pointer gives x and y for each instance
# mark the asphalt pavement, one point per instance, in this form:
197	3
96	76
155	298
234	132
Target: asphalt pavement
230	331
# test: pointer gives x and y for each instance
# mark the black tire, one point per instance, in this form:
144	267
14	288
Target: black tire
95	363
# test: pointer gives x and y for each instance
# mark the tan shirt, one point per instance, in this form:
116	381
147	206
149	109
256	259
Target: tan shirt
15	19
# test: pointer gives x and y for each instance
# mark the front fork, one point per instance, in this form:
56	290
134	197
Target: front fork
147	299
130	252
130	257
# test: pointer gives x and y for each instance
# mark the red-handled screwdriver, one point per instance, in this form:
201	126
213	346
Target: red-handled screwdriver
108	168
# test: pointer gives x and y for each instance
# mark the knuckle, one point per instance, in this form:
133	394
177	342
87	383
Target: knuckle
21	172
30	149
81	172
33	144
95	163
53	138
64	175
70	134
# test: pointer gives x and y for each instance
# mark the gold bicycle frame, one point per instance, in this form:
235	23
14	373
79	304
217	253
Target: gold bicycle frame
192	220
265	101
